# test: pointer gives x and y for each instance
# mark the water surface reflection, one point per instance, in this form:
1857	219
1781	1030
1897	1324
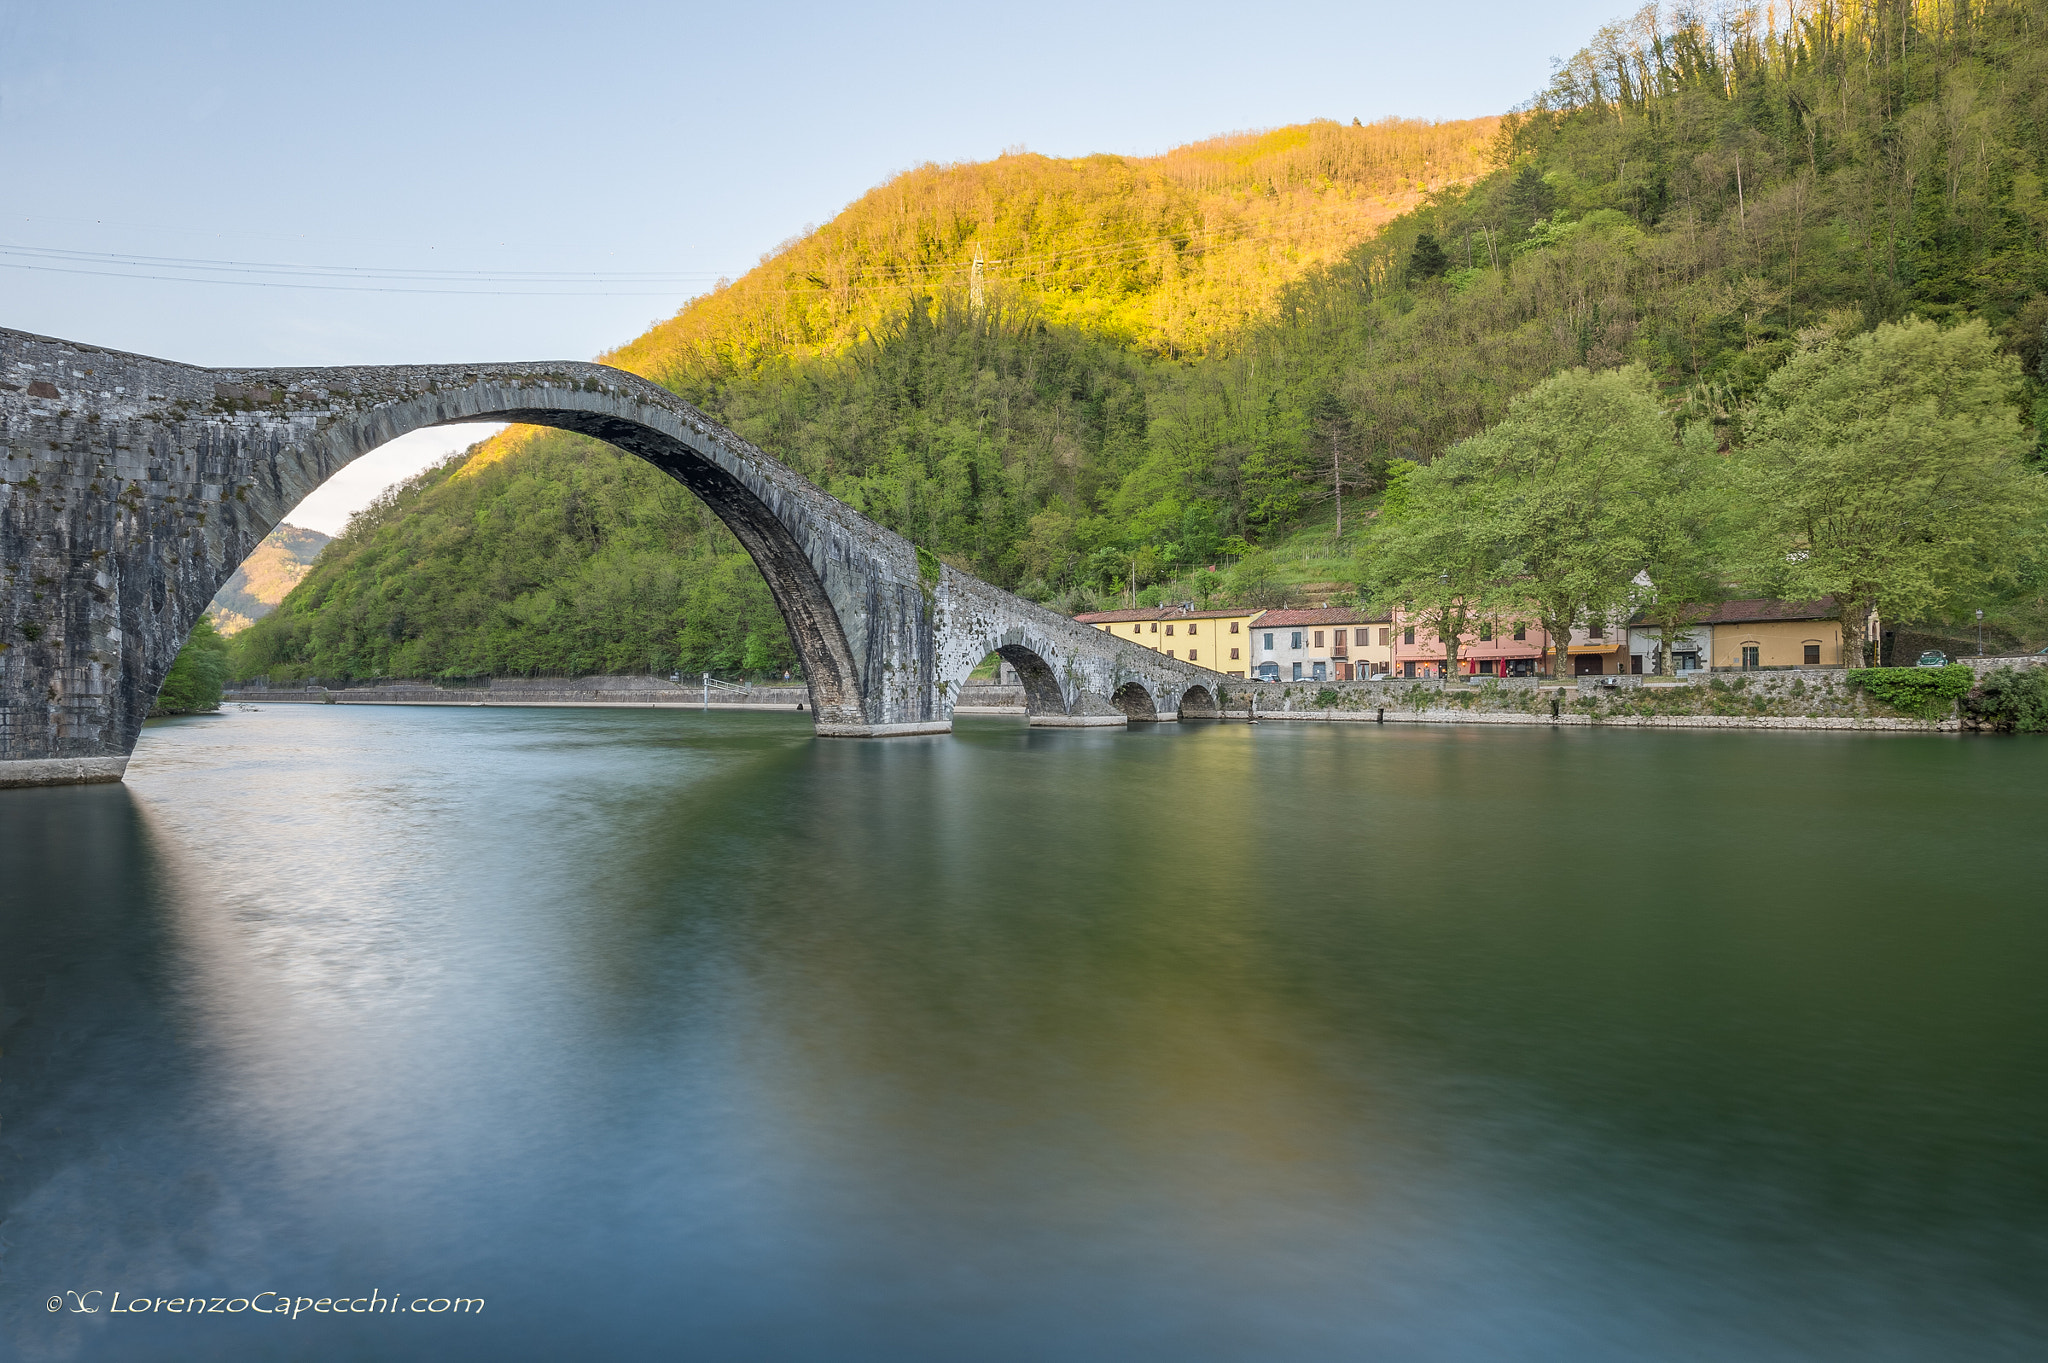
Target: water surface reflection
669	1032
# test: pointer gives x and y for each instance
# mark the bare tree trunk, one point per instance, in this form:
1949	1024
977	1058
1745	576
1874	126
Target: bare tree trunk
1855	616
1560	639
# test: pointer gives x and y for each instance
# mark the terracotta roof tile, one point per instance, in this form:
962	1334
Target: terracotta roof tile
1331	615
1119	617
1763	610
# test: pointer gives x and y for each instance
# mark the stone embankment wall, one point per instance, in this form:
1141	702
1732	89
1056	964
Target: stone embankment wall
1818	698
975	697
1982	666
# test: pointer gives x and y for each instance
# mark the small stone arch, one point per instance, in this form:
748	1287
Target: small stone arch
1042	695
1135	700
1197	703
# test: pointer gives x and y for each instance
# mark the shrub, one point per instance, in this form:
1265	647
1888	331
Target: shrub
1326	698
2012	700
1928	693
194	682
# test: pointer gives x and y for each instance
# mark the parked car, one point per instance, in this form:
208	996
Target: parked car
1933	658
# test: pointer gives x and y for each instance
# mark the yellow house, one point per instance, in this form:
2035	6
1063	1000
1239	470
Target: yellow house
1217	639
1754	634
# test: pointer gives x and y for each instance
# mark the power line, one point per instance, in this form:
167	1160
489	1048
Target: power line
401	280
444	274
347	288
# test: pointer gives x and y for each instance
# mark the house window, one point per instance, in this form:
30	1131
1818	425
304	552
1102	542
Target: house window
1408	637
1486	633
1297	639
1592	631
1155	627
1752	656
1813	655
1191	655
1408	669
1269	643
1319	638
1361	637
1233	655
1169	653
1191	630
1521	633
1383	636
1169	631
1484	667
1233	626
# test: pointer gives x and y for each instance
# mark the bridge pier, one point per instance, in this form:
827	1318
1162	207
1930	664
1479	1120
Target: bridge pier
131	488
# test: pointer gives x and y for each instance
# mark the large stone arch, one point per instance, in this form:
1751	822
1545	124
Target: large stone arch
773	536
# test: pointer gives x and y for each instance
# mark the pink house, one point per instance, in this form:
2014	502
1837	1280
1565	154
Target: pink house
1502	648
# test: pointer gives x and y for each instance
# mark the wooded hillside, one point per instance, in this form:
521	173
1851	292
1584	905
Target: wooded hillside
1688	195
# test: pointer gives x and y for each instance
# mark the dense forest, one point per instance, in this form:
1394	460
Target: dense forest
1190	376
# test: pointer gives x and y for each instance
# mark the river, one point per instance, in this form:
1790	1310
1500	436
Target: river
671	1035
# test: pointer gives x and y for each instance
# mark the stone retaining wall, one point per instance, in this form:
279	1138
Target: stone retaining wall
1816	698
623	691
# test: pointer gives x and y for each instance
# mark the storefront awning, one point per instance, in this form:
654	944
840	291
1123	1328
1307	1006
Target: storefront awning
1593	648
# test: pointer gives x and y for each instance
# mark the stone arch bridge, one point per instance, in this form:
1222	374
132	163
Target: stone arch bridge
132	488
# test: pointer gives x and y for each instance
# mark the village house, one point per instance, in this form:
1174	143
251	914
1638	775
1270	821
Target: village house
1328	644
1690	652
1495	647
1216	639
1763	633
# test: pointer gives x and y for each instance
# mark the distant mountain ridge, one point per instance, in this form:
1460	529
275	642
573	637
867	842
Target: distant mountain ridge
279	564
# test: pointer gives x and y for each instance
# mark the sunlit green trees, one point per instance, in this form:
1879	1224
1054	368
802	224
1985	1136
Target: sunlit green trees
1888	470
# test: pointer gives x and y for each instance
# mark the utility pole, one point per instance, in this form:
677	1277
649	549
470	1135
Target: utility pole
1337	481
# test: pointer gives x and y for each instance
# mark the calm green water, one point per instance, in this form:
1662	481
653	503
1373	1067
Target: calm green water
685	1036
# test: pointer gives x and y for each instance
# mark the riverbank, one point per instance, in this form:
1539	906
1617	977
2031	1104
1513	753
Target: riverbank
1805	698
1818	698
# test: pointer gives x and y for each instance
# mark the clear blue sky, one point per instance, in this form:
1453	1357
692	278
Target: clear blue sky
676	139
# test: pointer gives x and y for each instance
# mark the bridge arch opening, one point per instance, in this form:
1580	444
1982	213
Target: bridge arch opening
1198	703
815	629
1135	700
1042	694
622	419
